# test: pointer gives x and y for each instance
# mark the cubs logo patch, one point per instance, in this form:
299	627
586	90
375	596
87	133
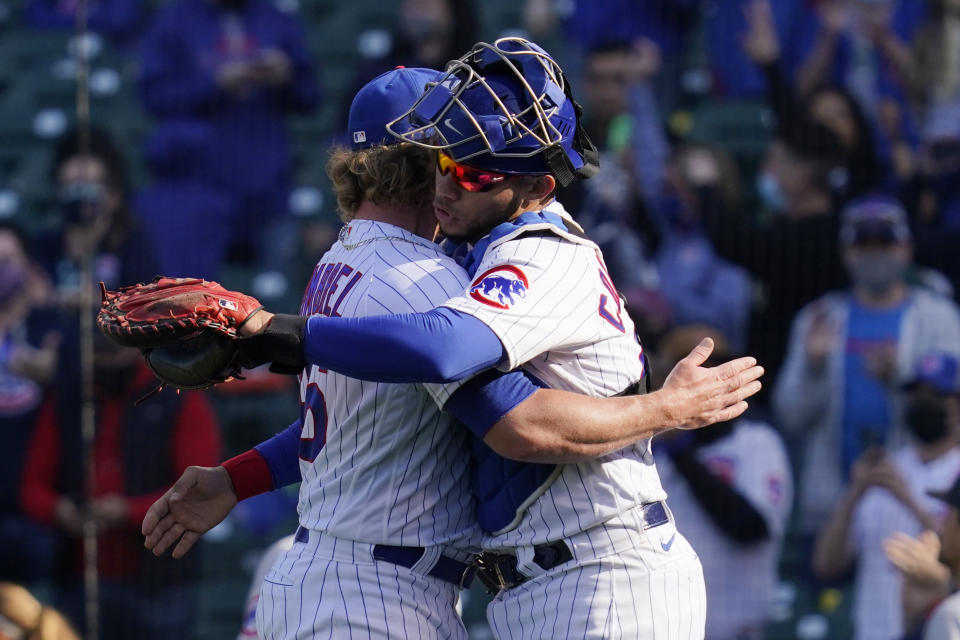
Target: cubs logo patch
500	287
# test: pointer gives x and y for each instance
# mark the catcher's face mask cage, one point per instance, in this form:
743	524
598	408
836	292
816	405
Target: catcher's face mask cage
504	107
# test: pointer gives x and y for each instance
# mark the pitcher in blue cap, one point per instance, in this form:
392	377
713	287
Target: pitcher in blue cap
386	515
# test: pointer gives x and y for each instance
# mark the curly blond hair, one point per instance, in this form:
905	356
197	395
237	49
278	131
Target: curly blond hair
399	175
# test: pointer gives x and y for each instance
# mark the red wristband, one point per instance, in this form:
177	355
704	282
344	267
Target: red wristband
249	473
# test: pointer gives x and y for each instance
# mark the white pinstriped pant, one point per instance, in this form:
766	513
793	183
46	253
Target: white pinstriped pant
330	587
622	583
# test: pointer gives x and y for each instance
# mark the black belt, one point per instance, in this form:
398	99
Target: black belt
445	568
498	571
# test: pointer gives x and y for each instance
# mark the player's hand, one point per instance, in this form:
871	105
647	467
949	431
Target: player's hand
698	396
918	558
197	502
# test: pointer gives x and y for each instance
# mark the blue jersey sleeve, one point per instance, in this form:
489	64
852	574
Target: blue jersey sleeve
481	401
282	455
437	346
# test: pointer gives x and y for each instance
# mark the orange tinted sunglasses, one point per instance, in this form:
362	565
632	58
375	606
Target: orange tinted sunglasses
468	178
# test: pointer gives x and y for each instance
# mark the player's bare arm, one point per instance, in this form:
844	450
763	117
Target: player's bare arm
556	426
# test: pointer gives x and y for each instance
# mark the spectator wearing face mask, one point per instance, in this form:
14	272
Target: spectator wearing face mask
791	249
90	179
839	391
888	494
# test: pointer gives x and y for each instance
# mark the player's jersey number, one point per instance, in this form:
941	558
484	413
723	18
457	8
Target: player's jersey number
314	415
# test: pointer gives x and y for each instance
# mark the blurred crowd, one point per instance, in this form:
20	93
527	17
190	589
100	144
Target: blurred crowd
782	175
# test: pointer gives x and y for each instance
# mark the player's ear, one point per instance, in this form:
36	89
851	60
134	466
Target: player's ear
540	187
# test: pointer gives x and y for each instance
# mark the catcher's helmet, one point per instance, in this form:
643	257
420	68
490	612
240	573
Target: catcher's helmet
504	107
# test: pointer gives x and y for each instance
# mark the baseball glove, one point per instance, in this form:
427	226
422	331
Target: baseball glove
185	327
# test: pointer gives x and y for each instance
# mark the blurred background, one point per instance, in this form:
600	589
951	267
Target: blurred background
781	175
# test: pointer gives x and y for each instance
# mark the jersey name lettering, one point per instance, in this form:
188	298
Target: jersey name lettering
614	319
329	285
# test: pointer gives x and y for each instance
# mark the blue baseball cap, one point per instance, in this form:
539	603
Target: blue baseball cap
938	371
386	98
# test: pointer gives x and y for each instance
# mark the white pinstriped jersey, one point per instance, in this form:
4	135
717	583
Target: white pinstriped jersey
550	301
380	462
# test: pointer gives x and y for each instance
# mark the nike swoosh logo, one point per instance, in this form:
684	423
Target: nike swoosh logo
669	543
449	123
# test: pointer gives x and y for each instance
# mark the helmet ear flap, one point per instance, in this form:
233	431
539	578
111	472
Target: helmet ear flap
581	144
559	164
